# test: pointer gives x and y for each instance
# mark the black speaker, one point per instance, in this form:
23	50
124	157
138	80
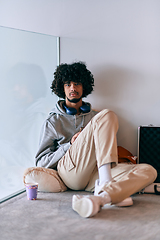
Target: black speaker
149	147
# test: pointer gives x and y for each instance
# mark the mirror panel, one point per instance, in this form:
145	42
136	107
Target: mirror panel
27	63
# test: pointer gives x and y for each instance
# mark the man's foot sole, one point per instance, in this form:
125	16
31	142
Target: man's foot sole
83	206
125	203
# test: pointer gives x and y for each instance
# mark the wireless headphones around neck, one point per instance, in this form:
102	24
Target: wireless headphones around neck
85	108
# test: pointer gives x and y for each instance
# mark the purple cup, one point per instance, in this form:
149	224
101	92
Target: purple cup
31	189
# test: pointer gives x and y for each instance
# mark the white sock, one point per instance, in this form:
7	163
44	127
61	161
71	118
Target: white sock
104	173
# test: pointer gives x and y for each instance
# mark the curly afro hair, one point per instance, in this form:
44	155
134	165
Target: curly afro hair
75	72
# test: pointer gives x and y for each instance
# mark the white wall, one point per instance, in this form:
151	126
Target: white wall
119	41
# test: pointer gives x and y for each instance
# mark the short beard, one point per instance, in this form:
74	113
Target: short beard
74	100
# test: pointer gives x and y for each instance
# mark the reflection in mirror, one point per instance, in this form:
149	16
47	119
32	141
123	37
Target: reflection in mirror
27	63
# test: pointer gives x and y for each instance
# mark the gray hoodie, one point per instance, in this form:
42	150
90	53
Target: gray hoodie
56	134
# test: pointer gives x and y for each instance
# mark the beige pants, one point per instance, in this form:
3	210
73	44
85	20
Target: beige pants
97	145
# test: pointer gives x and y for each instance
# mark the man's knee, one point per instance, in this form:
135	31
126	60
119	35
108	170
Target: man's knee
107	116
152	170
147	168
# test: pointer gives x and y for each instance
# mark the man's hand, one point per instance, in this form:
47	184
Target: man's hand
74	137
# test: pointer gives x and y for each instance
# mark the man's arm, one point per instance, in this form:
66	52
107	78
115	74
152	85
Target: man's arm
50	152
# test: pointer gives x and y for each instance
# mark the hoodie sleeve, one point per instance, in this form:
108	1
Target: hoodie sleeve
50	152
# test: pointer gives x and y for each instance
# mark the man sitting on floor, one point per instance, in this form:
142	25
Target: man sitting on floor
81	144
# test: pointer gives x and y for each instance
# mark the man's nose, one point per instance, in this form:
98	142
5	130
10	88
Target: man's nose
73	87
